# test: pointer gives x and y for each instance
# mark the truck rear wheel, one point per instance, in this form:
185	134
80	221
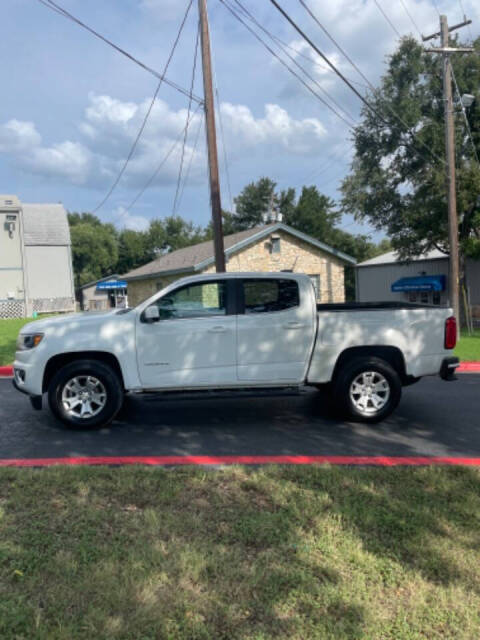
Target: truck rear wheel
367	389
85	394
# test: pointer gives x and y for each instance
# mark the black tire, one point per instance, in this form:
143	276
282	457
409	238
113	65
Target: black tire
107	377
350	372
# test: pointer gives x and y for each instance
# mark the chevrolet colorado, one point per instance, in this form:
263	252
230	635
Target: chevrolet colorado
231	331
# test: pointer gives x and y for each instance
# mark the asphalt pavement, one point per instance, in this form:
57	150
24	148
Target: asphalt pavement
434	418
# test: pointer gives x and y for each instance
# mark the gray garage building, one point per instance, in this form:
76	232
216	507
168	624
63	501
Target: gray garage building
35	259
422	279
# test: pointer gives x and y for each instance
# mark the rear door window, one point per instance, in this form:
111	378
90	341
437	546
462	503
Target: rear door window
268	295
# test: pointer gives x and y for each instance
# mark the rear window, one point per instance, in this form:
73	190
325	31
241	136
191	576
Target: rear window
264	296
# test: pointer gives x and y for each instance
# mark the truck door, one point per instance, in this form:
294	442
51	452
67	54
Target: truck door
275	329
193	342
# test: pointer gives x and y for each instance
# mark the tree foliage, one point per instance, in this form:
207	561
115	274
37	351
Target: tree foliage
94	247
397	181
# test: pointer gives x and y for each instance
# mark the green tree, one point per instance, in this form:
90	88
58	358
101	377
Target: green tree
94	251
314	214
397	182
172	233
83	218
254	200
132	250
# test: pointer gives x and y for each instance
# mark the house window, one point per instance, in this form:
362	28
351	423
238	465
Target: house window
424	297
412	297
315	280
436	297
275	244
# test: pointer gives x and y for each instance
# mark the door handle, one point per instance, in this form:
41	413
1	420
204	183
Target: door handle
218	329
293	325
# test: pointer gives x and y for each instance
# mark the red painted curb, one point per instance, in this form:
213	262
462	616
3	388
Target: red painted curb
469	367
382	461
6	371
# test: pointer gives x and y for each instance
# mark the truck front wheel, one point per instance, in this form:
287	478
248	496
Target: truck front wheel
85	394
367	389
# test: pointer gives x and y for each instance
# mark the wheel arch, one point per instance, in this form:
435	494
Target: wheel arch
392	355
57	362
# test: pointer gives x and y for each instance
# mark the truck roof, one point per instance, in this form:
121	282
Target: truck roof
242	274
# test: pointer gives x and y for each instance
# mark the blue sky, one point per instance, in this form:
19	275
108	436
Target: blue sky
71	106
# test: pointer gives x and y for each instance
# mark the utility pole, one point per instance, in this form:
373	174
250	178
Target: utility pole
446	51
211	138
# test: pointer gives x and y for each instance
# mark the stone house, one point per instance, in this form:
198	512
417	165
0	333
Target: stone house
273	247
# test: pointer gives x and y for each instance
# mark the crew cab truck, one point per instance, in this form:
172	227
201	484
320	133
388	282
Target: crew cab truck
233	331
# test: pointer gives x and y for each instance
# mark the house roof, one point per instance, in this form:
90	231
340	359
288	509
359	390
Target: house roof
45	224
199	256
392	256
112	276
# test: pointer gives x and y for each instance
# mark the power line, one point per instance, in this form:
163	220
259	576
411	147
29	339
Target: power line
235	14
224	147
435	4
462	9
195	54
415	25
190	162
320	53
392	111
53	6
290	57
316	64
330	161
387	19
142	127
162	162
279	41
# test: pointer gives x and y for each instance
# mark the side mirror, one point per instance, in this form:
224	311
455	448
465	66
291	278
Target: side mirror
152	313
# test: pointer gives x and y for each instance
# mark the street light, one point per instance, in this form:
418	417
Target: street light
467	100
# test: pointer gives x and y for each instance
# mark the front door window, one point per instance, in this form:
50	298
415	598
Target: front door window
201	300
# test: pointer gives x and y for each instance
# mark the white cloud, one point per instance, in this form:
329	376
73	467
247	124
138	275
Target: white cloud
110	126
70	160
17	136
124	219
277	128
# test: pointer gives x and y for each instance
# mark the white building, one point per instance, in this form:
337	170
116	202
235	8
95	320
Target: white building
422	279
36	272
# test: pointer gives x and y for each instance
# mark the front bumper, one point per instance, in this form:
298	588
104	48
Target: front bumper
36	401
447	370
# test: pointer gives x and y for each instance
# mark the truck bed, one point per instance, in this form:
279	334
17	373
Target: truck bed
373	306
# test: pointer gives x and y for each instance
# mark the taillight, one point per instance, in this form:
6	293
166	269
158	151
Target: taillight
450	332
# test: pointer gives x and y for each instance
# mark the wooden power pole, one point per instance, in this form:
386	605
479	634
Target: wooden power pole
211	138
446	51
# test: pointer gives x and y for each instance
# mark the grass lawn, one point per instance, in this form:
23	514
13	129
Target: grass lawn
277	552
468	347
8	337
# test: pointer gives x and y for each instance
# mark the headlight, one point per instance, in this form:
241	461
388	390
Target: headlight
28	340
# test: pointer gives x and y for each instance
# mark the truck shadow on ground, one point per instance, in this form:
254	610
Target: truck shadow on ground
425	519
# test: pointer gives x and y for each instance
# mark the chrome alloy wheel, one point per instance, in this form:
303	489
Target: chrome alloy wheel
369	392
83	397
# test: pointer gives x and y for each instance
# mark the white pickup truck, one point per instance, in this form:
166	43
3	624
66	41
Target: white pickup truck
231	331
